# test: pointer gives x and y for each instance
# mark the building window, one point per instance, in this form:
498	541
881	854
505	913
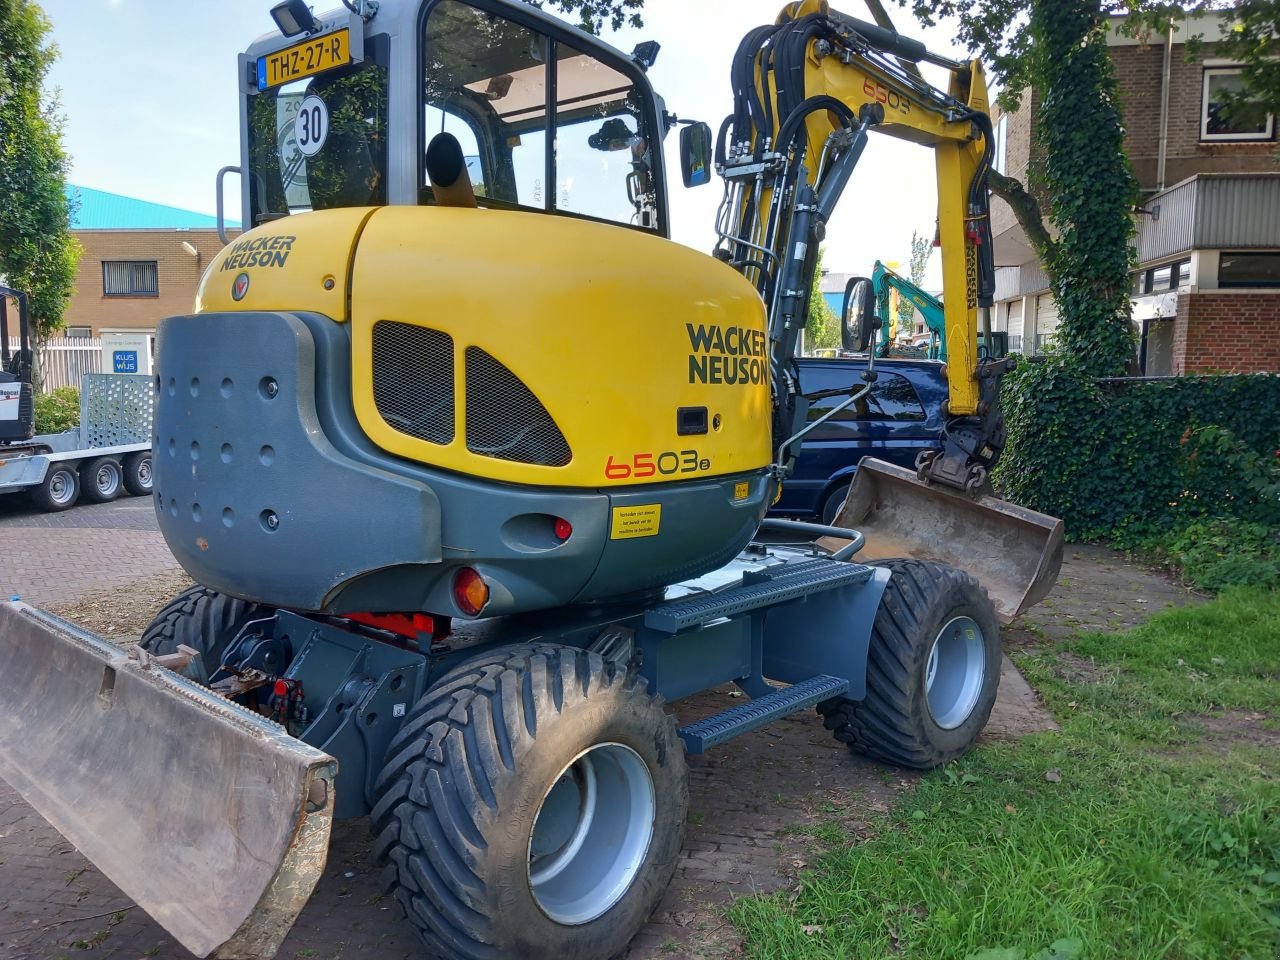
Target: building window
1167	276
129	278
1216	123
1001	146
1249	269
80	333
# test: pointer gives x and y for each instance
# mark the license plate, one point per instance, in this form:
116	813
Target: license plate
305	59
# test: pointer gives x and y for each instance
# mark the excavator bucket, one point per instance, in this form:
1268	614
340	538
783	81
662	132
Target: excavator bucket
1015	553
209	816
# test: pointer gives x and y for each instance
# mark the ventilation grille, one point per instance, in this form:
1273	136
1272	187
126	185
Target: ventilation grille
413	380
505	420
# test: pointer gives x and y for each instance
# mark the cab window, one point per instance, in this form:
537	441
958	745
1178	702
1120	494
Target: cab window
584	151
332	154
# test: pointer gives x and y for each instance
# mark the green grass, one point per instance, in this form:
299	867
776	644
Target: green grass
1159	840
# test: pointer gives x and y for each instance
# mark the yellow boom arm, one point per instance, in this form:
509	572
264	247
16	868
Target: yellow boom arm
807	90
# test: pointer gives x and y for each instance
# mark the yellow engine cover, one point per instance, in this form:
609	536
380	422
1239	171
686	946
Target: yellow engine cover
626	341
612	330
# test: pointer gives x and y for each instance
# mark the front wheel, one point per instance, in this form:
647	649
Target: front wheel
203	619
533	805
933	668
58	490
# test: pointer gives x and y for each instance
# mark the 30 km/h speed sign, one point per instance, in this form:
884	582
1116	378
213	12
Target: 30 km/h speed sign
311	125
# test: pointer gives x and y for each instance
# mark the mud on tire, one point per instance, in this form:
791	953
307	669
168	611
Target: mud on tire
905	718
476	766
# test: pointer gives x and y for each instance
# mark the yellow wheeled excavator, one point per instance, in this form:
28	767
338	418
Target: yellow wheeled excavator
469	462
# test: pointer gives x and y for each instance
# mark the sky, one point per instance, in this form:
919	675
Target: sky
149	91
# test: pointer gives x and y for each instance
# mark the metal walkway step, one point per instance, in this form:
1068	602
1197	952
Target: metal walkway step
761	588
755	714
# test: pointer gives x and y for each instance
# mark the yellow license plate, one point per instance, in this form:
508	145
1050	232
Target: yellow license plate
304	59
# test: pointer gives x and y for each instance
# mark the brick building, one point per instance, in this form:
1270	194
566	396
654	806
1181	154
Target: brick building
141	262
1206	294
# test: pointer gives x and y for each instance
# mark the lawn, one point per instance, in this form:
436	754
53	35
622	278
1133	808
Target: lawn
1147	827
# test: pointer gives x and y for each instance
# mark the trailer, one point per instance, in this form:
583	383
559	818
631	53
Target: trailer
107	455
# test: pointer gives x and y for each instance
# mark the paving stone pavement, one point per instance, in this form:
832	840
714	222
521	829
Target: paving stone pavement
50	558
747	797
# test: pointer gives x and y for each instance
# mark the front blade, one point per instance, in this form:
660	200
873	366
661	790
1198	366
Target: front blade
210	817
1015	553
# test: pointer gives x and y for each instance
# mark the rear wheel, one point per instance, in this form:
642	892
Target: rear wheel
203	619
137	473
933	668
101	479
58	490
533	805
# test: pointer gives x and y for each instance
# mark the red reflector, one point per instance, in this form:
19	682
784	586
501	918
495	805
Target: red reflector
281	688
470	591
564	529
409	626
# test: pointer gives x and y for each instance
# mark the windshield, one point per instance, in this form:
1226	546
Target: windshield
319	142
488	81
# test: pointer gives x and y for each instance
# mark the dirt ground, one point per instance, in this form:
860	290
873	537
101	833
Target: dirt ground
750	802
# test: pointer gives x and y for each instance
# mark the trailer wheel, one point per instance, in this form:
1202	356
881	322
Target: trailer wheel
932	669
101	479
533	805
137	473
58	490
202	619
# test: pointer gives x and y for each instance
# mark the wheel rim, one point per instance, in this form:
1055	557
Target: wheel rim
591	834
956	671
61	487
107	480
144	472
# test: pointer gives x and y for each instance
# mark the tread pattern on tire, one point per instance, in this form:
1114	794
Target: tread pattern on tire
202	619
438	785
884	725
40	494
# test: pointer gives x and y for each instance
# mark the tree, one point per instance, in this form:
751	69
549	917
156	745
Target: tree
592	14
921	248
1059	47
37	252
821	325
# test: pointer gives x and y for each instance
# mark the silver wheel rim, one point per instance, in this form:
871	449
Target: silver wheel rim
956	671
61	487
107	480
144	472
591	834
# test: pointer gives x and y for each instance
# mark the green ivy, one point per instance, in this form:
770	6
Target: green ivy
1091	186
1140	459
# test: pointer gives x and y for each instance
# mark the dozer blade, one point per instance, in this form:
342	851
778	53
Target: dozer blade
209	816
1015	553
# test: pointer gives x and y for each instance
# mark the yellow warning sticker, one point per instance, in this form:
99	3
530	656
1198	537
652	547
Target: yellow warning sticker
628	523
741	490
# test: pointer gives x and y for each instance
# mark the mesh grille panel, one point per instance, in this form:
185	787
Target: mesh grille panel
505	420
413	380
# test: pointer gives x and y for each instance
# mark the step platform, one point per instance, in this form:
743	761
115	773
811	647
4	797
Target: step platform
754	714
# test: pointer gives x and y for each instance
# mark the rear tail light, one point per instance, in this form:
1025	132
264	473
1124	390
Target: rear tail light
470	592
564	529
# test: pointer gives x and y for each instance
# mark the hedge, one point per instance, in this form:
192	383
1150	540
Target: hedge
57	410
1129	460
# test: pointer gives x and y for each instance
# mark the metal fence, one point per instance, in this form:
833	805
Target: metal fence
64	361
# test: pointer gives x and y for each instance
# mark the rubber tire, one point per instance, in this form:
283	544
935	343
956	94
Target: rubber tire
832	504
893	722
133	481
502	726
43	498
202	619
89	471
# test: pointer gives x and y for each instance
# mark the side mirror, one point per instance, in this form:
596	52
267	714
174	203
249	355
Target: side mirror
858	320
695	154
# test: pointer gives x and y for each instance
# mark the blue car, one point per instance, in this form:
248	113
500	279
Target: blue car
899	418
